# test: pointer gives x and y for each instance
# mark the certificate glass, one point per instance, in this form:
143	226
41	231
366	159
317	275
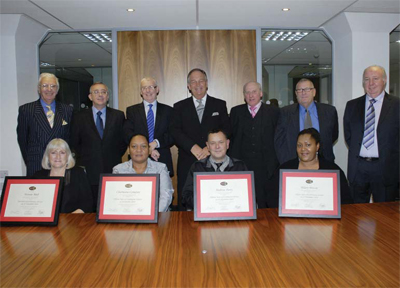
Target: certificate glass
128	198
27	201
309	193
224	196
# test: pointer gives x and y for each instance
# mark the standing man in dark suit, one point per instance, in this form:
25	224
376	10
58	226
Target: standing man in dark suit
253	128
97	137
371	129
151	119
306	114
192	119
41	121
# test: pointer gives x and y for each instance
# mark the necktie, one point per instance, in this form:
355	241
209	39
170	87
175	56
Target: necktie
200	109
253	111
369	131
50	116
99	124
150	123
218	167
307	120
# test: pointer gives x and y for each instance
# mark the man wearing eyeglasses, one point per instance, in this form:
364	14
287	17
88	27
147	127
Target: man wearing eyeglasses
151	119
306	114
192	119
41	121
97	137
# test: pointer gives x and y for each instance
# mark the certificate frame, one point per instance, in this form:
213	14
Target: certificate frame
198	177
53	184
285	211
130	179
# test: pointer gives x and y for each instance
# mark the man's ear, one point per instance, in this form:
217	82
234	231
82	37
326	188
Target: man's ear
227	143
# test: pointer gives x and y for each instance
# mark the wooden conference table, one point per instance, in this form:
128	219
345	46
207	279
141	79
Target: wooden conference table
360	250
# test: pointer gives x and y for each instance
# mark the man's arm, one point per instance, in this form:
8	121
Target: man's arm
347	125
166	190
129	125
187	193
176	128
335	132
23	132
280	137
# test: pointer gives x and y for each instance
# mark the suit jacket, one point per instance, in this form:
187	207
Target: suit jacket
289	127
187	130
34	131
241	121
387	135
136	123
95	154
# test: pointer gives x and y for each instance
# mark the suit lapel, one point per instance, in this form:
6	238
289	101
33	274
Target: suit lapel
41	118
386	105
159	117
90	121
208	110
109	120
142	116
58	120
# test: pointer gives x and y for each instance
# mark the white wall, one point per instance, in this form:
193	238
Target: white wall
18	81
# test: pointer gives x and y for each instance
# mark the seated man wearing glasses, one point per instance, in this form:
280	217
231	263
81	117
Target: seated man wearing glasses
302	115
41	121
151	119
97	137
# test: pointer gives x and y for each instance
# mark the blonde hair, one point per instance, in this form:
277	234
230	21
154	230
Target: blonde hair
54	144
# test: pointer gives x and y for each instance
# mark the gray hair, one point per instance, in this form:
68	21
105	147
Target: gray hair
148	79
304	80
54	144
90	90
244	86
384	76
48	75
194	70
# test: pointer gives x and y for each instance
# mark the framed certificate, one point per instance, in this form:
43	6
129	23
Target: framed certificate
27	201
224	196
128	198
309	193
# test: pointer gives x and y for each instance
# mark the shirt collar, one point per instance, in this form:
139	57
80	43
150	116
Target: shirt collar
257	106
52	105
203	100
145	103
378	98
103	111
310	108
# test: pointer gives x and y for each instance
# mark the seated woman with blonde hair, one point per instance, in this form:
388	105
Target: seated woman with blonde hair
58	162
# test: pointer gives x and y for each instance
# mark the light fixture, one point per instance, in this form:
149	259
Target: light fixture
398	41
99	37
45	64
285	9
130	10
284	35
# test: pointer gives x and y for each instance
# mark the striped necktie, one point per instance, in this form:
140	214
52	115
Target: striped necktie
150	123
200	109
369	131
50	116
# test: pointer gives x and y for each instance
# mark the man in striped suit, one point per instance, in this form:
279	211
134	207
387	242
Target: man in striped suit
41	121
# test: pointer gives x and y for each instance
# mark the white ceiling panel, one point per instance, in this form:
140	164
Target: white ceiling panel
373	6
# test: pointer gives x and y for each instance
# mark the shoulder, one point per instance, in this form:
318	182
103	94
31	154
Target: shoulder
325	164
29	106
41	173
114	111
292	108
216	101
65	107
238	109
134	107
122	167
270	108
76	170
164	106
325	107
356	100
156	166
238	163
291	164
392	98
183	103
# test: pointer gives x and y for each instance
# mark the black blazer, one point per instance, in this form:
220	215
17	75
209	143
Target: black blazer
136	123
387	135
34	131
240	121
95	154
289	127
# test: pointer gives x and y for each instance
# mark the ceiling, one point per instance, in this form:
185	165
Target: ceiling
89	15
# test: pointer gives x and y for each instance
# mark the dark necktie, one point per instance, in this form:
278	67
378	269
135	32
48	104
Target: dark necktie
369	131
307	120
218	167
99	124
150	123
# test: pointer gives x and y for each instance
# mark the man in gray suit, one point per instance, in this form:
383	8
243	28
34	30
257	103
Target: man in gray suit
306	114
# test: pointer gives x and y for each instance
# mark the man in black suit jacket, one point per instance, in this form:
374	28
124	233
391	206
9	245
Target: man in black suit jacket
97	139
190	130
371	129
292	120
138	118
253	128
41	121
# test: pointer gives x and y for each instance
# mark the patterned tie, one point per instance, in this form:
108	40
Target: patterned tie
307	120
200	109
253	111
99	124
150	123
50	116
218	167
369	131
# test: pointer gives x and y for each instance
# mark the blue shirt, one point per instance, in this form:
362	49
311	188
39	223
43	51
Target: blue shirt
52	106
103	115
313	114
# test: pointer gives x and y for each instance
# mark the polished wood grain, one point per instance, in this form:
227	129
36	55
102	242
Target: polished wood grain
360	250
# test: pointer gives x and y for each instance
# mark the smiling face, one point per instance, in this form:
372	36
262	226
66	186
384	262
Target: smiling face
307	148
47	93
373	81
149	90
99	95
305	93
252	94
139	149
217	144
197	84
58	158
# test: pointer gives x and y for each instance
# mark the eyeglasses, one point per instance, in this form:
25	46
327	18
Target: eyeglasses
151	88
308	89
97	92
51	86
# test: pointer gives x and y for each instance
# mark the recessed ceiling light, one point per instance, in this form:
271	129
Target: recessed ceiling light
130	10
79	59
285	9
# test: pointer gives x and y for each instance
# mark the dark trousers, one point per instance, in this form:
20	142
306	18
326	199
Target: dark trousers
369	181
95	194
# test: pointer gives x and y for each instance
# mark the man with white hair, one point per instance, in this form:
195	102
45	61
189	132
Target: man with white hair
41	121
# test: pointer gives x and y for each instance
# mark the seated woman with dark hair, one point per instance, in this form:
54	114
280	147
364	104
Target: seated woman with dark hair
308	144
58	162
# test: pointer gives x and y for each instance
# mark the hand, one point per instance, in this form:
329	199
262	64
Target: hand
155	155
152	146
199	153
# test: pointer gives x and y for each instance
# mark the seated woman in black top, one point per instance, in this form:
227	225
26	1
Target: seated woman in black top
308	144
58	162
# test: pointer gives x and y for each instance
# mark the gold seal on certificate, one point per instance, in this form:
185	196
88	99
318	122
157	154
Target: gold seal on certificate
224	196
309	193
